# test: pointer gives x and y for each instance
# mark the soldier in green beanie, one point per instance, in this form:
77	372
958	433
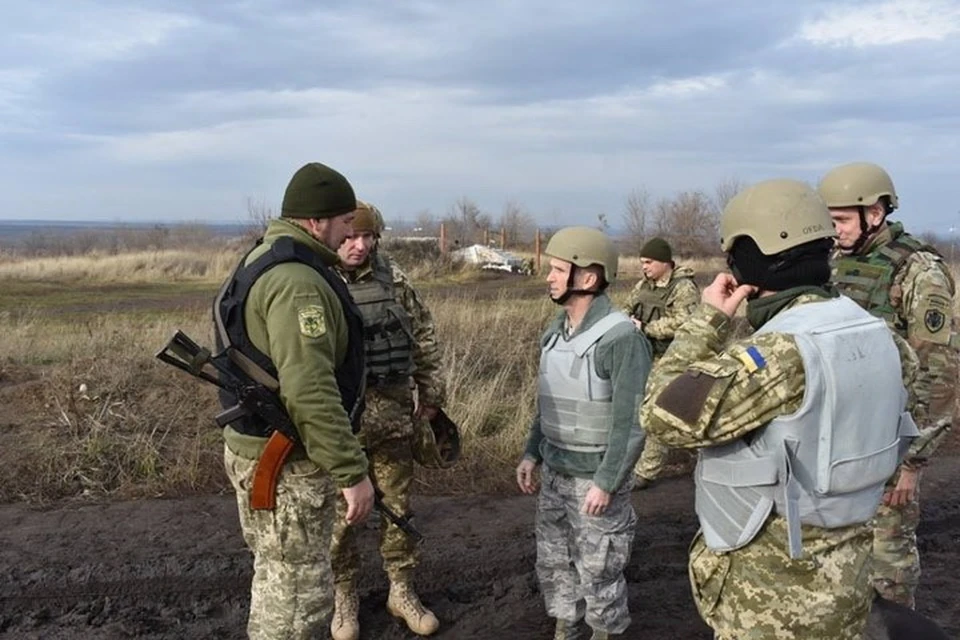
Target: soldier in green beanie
660	302
287	311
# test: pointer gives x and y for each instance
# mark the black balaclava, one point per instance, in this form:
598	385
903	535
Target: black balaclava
805	265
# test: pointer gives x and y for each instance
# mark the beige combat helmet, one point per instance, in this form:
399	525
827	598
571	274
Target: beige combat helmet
858	184
585	246
777	214
367	219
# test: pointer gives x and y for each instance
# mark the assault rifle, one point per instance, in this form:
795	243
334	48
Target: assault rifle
256	394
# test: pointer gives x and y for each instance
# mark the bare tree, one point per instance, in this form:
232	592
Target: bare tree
465	222
259	215
689	222
636	217
517	224
725	190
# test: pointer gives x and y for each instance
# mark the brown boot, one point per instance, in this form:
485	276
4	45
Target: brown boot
403	603
346	609
640	483
566	630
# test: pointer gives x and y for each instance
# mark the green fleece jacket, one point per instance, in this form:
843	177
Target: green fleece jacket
294	317
623	356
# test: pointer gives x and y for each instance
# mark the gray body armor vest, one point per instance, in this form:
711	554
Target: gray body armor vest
388	331
575	409
827	464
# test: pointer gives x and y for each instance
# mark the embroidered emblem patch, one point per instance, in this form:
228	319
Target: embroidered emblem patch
934	320
752	359
313	322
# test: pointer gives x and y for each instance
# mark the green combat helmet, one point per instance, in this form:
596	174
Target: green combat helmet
368	219
859	184
436	444
777	214
317	191
585	246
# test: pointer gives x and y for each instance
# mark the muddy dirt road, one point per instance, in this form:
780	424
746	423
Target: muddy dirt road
179	569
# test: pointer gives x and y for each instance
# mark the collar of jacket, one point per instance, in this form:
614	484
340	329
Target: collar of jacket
599	308
280	227
885	237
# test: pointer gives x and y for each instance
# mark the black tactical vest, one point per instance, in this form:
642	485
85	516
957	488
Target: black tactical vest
229	321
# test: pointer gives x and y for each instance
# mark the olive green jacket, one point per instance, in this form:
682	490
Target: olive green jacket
294	317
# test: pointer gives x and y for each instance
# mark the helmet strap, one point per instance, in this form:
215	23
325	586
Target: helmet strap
866	232
562	299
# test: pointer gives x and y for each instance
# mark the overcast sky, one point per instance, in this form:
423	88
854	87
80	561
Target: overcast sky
177	111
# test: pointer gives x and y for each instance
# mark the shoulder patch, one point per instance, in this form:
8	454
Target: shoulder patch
933	320
313	321
687	395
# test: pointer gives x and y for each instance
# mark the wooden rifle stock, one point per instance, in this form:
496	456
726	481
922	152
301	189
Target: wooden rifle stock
263	493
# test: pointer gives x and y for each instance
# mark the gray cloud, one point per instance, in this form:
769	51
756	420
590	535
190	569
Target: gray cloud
181	112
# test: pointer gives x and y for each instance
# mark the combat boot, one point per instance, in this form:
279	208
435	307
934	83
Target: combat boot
346	609
566	630
403	603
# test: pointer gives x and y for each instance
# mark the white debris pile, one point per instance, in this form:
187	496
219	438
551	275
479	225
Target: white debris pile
491	258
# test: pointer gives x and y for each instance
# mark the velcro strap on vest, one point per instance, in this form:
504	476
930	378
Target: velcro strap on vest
742	473
792	492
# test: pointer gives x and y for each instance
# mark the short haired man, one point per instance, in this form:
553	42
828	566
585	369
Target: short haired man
586	436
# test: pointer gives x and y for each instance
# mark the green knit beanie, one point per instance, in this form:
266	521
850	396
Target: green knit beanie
657	249
317	191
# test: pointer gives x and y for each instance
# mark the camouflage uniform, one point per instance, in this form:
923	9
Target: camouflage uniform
293	317
289	546
388	430
906	283
580	558
758	591
662	306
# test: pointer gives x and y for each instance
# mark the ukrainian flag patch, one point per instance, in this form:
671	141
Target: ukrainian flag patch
752	359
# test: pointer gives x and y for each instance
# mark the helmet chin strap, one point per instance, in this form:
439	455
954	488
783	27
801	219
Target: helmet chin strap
562	299
865	232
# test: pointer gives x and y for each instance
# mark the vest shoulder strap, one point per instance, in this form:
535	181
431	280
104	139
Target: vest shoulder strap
582	343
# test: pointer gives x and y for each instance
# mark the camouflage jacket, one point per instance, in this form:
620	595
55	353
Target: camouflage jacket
428	375
740	398
922	297
674	298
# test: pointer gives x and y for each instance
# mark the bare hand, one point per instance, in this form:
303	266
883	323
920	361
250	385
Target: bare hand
426	412
525	473
637	323
596	501
725	295
359	499
906	489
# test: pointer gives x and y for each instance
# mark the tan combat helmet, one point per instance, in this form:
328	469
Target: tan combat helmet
859	184
777	214
367	219
585	246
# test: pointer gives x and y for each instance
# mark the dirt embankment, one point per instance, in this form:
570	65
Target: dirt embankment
179	568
